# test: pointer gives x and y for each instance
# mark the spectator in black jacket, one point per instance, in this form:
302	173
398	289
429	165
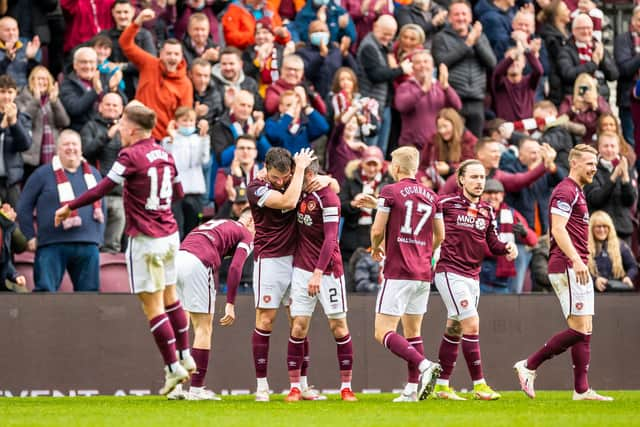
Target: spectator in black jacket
554	19
584	54
468	55
10	279
613	188
426	14
627	55
207	101
82	88
323	58
15	138
197	43
100	146
123	13
364	178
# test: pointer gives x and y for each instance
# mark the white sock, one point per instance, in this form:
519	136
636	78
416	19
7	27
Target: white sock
480	381
424	365
262	383
174	366
411	388
442	382
303	383
184	354
345	385
192	388
295	385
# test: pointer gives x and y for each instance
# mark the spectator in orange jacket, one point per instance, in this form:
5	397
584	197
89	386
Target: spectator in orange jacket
239	23
164	85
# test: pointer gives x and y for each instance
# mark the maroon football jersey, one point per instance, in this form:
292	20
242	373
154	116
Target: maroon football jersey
409	233
317	222
216	239
148	173
468	228
275	229
567	200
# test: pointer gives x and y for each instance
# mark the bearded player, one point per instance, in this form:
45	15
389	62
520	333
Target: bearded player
403	224
569	276
469	226
318	275
199	258
150	182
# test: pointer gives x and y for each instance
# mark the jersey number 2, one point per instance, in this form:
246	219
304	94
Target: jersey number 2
423	209
166	189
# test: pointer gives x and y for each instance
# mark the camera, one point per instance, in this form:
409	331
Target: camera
583	89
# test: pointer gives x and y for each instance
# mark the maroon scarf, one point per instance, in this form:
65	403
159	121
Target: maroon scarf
585	52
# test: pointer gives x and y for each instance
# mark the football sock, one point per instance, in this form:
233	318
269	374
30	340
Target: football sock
303	383
306	358
345	359
448	354
295	351
471	351
399	346
558	344
180	325
201	356
413	371
260	345
344	385
580	355
162	331
411	388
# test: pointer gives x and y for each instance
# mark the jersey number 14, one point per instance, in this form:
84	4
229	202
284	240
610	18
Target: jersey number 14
166	189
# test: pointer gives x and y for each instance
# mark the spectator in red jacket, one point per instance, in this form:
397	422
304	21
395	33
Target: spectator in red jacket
84	19
239	23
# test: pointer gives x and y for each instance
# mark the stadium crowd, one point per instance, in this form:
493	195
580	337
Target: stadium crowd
513	84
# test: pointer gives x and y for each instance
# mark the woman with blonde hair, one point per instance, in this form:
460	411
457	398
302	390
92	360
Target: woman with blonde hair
585	106
608	122
611	262
40	100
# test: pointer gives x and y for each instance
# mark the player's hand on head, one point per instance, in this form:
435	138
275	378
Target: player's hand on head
304	157
229	315
318	183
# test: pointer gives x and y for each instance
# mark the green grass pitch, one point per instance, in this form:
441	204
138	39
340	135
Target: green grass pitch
550	408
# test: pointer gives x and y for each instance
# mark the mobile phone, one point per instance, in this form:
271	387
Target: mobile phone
615	162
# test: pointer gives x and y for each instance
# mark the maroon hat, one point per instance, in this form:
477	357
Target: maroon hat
265	23
373	154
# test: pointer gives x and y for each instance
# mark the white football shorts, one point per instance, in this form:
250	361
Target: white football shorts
151	262
575	299
460	295
332	296
271	281
196	285
398	297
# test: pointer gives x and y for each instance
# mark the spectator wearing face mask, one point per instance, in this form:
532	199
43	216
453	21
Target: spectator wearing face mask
190	150
322	58
336	17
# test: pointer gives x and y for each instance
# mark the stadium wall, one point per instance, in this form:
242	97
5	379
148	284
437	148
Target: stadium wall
80	344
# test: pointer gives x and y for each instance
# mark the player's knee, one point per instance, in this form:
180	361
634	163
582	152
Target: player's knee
339	330
298	330
471	326
265	322
454	330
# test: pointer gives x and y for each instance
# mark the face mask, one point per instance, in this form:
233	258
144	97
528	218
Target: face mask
317	39
186	130
318	3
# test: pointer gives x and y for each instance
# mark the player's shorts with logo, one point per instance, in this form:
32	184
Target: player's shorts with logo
332	296
271	281
397	297
151	262
460	294
575	299
195	286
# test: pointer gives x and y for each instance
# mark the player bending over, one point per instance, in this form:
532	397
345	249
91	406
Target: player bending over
469	225
318	275
569	276
150	181
403	223
199	258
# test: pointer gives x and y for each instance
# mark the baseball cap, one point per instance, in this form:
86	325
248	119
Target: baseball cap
265	23
493	186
